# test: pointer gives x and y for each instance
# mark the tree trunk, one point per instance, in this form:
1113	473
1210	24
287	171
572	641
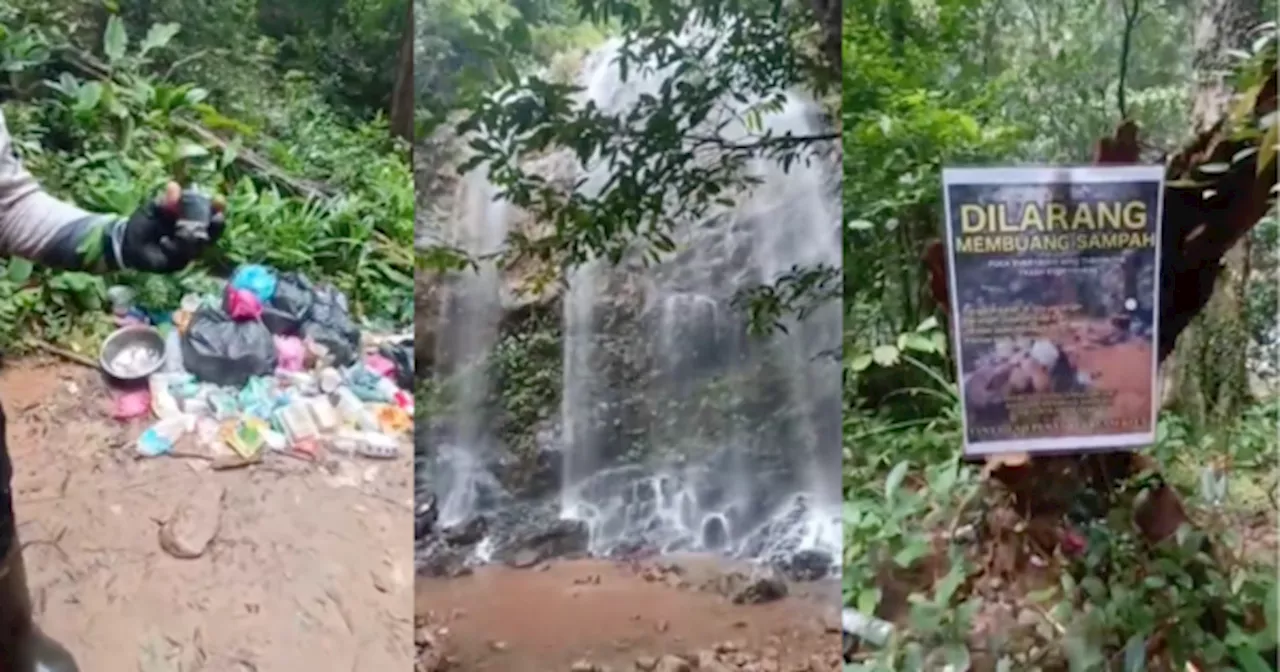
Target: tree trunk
402	108
1209	369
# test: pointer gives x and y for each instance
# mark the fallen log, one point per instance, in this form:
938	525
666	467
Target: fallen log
245	158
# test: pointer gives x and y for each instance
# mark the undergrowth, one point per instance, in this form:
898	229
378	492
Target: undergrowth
108	143
925	531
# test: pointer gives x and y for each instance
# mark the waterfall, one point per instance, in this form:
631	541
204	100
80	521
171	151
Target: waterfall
466	334
679	429
646	351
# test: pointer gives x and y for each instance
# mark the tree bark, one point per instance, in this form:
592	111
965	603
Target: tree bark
1209	369
829	15
402	107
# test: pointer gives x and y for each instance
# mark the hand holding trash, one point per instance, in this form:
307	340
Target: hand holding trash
166	234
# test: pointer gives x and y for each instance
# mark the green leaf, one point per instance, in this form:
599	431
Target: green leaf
1273	607
860	225
1135	654
189	150
114	40
196	96
20	270
1042	596
929	324
158	36
860	363
912	552
868	600
957	657
917	342
940	342
885	355
894	479
1249	660
88	96
1095	589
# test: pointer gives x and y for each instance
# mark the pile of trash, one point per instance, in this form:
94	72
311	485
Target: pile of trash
272	364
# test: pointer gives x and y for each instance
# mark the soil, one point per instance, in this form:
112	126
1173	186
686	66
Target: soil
596	615
310	567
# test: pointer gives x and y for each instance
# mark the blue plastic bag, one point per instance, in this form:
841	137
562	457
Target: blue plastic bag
257	279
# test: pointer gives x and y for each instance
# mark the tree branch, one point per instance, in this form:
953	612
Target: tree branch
1131	12
762	143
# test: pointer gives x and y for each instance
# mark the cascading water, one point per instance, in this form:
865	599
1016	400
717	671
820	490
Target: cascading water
737	434
468	329
679	430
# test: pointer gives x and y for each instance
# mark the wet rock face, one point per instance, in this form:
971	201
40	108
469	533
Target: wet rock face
559	539
467	533
765	584
425	515
437	559
519	535
807	565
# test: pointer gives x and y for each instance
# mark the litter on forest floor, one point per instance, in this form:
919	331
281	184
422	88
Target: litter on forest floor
276	364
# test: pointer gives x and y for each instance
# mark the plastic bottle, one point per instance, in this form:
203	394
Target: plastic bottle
173	352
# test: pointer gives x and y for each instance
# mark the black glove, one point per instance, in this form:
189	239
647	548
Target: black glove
151	240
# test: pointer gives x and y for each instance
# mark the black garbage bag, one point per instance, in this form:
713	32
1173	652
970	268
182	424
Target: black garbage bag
329	324
290	306
401	354
220	350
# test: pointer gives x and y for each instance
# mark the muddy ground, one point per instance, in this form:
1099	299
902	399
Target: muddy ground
311	568
598	615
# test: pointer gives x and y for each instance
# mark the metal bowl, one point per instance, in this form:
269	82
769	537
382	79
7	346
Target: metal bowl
132	353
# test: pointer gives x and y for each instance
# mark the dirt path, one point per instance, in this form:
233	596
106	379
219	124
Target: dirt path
619	618
311	570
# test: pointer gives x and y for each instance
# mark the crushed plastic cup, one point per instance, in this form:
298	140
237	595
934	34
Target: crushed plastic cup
353	410
297	423
366	384
378	446
152	444
225	406
365	444
291	354
163	403
276	441
330	380
132	404
207	431
302	382
198	405
317	355
160	438
190	303
258	398
380	365
325	415
121	298
184	386
173	351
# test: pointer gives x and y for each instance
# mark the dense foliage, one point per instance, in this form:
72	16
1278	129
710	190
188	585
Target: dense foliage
955	82
244	100
495	67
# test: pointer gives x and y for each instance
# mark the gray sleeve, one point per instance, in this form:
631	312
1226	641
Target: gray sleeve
33	223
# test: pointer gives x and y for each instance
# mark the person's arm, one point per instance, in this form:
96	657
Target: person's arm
38	226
